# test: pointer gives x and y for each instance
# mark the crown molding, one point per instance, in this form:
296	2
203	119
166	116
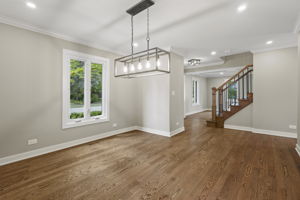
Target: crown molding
274	48
29	27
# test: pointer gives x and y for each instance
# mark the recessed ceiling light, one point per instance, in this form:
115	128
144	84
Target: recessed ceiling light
135	44
242	8
213	53
221	73
31	5
269	42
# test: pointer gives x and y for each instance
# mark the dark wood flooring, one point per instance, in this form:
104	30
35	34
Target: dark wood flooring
201	163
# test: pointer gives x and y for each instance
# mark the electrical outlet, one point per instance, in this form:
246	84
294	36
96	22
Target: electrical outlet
32	141
115	125
293	127
173	92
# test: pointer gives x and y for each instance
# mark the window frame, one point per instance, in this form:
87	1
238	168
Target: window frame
88	60
195	93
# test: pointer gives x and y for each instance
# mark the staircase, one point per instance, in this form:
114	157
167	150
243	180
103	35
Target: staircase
231	97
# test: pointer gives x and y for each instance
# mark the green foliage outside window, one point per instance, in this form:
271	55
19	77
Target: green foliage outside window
232	91
77	82
96	83
77	87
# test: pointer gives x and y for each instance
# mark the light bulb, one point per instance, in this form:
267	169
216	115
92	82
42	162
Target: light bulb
158	62
147	64
125	69
132	68
140	66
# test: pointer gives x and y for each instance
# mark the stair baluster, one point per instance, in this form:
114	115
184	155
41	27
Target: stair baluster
232	96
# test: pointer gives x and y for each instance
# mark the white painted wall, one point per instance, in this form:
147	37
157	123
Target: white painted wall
189	107
154	102
31	92
176	92
31	95
298	77
275	97
161	98
275	86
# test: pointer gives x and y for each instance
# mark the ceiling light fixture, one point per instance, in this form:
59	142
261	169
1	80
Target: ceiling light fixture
213	53
194	62
221	73
242	8
269	42
150	61
31	5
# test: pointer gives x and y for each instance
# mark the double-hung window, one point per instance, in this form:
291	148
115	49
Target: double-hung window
85	89
195	92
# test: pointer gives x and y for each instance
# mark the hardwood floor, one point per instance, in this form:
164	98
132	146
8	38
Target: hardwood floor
202	163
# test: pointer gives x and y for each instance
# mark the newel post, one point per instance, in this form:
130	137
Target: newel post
214	104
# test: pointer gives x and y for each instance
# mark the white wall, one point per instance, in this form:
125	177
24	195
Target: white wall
154	102
31	92
275	86
243	118
274	89
298	77
189	107
159	109
176	92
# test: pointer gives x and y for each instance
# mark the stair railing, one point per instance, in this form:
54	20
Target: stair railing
232	91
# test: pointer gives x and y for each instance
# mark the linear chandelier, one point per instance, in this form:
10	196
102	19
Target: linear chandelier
152	61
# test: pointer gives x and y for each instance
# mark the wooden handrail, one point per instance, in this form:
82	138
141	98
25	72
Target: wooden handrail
234	76
236	80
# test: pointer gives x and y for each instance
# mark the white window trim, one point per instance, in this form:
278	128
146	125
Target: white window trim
198	91
67	55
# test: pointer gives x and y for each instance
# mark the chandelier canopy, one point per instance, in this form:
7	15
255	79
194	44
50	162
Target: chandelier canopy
152	61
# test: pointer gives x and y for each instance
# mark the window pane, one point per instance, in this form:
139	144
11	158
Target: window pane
232	91
76	89
193	94
96	89
196	92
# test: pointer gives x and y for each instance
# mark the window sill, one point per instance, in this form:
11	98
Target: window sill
84	122
196	104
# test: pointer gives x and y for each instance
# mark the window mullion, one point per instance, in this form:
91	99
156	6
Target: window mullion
87	89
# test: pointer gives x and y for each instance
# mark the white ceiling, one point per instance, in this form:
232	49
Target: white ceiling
193	28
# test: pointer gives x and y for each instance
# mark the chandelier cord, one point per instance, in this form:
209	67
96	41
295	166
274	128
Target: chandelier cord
148	35
131	38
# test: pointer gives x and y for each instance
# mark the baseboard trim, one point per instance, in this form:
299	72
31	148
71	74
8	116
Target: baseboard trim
262	131
241	128
159	132
153	131
57	147
275	133
197	111
41	151
177	131
298	149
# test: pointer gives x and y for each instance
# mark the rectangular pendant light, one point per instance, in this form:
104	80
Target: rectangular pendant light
144	63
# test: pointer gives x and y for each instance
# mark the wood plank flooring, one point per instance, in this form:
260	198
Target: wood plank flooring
200	164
